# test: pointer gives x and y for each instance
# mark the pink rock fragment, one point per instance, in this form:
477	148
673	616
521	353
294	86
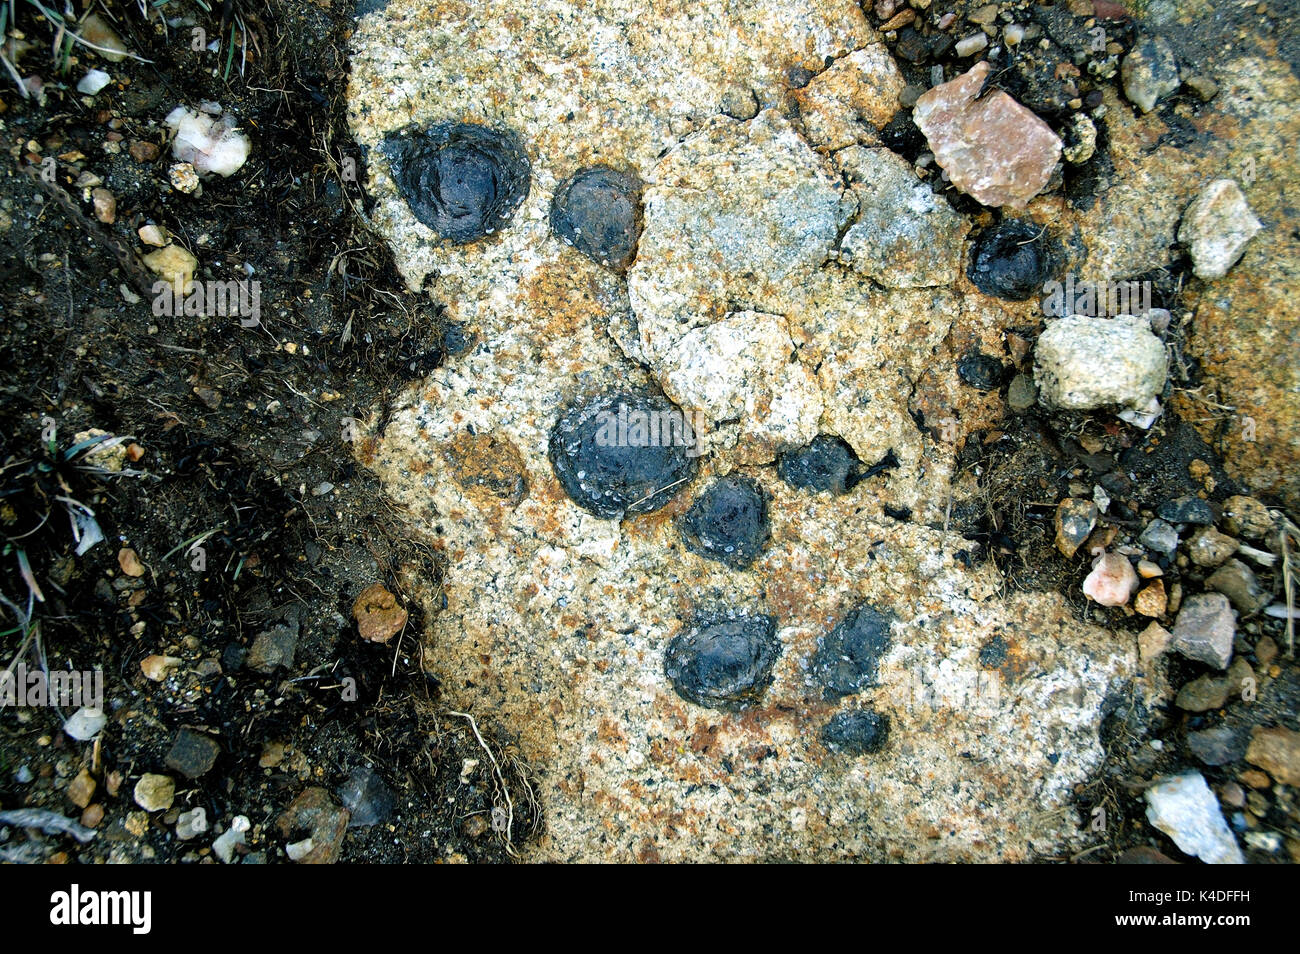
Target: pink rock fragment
993	149
1111	581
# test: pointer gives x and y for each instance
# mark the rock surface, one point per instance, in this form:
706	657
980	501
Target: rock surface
558	618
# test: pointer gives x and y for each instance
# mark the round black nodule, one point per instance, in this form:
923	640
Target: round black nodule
858	732
728	522
598	212
1012	261
463	181
623	453
723	663
847	657
981	371
826	463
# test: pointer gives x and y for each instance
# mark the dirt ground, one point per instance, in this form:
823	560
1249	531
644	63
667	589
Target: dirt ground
241	439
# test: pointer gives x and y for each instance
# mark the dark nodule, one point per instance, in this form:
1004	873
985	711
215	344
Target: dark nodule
728	522
598	212
826	463
1011	261
623	453
981	371
724	663
463	181
846	659
858	732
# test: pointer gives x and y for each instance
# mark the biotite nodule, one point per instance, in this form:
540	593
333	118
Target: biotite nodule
1011	261
462	180
728	522
723	663
598	212
628	452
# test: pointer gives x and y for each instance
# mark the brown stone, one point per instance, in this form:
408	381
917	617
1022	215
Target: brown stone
142	151
378	616
1074	521
129	562
314	813
1151	601
82	789
1277	751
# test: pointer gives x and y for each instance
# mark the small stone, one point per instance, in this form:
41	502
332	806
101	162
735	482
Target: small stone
1148	570
1189	510
183	177
858	732
598	212
1080	140
1075	520
155	667
828	463
325	823
105	205
85	724
1186	810
1210	547
461	180
992	148
224	845
1083	363
1160	537
142	151
1255	778
154	235
155	793
1205	629
1203	694
102	38
981	371
378	615
847	657
728	522
1151	601
93	815
970	45
174	264
129	562
93	82
1232	795
1153	641
1022	393
1277	751
192	753
272	650
192	823
82	789
1266	841
1111	581
725	663
1150	73
368	800
1216	227
1237	582
1247	517
299	850
612	461
1217	746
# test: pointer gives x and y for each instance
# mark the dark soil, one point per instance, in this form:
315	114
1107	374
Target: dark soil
243	431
